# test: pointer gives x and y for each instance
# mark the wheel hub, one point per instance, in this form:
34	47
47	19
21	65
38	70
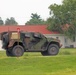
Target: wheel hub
18	51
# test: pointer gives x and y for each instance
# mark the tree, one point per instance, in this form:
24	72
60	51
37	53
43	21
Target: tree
1	21
35	19
10	21
63	16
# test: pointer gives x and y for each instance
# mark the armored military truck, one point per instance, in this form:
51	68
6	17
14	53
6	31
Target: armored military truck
16	43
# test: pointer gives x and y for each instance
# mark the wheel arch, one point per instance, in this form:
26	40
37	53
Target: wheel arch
54	42
18	43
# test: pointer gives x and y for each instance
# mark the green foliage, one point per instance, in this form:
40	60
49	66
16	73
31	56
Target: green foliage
36	64
1	21
35	19
10	21
62	15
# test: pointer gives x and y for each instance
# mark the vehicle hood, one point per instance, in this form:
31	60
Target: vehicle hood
53	39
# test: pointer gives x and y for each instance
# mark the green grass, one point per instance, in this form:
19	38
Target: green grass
36	64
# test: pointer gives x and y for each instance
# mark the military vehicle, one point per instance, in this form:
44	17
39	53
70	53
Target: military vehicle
16	43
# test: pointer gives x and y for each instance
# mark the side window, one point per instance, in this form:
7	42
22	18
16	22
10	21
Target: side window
37	35
27	35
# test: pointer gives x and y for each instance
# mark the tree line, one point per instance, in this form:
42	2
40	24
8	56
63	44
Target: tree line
35	20
8	21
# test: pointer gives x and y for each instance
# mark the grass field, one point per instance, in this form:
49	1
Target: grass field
36	64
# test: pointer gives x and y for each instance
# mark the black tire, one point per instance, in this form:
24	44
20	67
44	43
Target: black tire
18	51
8	53
2	34
5	41
44	53
5	38
53	49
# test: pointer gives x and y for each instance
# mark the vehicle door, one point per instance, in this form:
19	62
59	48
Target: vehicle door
37	42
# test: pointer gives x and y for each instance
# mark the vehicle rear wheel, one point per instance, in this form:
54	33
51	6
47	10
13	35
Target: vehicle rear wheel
53	49
44	53
18	51
8	53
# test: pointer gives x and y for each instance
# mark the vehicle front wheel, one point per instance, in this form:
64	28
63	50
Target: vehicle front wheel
18	51
53	49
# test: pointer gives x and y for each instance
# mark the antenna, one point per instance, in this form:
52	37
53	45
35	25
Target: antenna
8	33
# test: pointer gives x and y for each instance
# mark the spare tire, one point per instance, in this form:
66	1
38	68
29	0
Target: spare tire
5	40
2	34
